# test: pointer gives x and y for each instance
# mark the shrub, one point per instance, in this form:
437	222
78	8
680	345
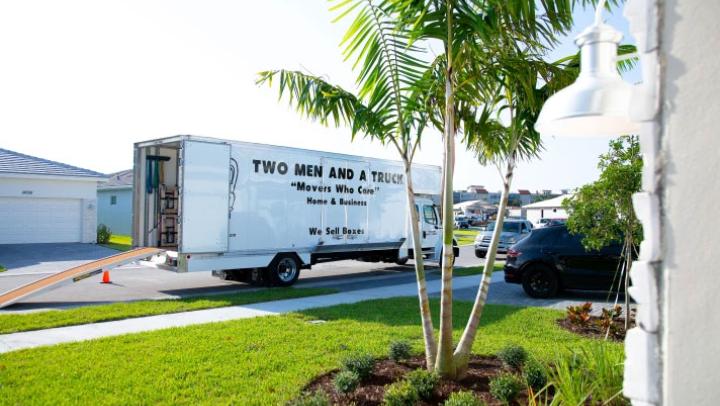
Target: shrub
424	382
464	398
505	387
535	374
400	393
399	350
513	356
579	315
311	399
346	381
361	364
103	234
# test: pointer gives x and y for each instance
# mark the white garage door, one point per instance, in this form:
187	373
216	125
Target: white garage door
37	220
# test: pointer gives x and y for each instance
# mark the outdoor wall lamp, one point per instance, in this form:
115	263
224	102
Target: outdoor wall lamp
598	103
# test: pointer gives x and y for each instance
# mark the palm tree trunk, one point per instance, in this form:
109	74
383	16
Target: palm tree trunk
425	315
445	364
462	353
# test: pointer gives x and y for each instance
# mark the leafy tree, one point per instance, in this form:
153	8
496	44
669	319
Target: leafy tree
602	211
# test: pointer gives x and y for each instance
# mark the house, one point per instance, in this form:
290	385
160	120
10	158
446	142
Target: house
475	208
43	201
114	201
550	208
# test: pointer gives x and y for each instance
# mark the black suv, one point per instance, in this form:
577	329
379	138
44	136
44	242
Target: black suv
551	259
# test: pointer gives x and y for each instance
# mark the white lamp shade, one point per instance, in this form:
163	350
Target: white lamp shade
598	103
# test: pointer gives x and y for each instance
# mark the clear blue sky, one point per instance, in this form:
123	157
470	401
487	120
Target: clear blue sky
81	80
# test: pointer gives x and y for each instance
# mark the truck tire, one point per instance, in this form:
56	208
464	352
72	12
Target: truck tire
284	270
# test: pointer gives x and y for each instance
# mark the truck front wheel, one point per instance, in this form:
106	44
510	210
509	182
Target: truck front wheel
284	270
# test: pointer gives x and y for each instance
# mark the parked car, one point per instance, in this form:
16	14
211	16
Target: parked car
462	223
513	231
546	222
551	259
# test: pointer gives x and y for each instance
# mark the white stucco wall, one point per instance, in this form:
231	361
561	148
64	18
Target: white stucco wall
19	186
690	152
117	216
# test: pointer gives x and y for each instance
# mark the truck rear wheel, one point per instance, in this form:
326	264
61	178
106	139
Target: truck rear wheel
284	270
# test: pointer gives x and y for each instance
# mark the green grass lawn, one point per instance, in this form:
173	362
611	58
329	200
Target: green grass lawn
465	237
476	270
262	361
12	323
119	242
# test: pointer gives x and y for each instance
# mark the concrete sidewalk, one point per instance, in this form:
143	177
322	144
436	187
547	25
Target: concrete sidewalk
30	339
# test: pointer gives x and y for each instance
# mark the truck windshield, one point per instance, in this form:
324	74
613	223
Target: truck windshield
508	227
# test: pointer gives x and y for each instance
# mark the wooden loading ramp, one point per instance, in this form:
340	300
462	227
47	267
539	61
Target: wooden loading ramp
75	274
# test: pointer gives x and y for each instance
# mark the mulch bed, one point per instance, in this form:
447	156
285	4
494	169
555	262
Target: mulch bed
371	391
592	328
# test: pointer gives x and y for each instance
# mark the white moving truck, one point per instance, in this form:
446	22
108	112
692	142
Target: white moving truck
257	212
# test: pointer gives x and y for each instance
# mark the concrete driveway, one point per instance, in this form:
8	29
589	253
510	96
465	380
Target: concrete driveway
23	259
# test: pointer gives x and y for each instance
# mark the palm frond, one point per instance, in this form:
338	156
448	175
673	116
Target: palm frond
319	100
388	65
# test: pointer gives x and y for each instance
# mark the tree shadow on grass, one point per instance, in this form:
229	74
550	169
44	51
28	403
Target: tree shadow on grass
404	311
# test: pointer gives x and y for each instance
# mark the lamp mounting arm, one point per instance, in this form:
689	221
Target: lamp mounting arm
599	11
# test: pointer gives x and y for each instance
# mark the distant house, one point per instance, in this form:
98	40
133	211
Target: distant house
475	208
115	202
44	201
550	208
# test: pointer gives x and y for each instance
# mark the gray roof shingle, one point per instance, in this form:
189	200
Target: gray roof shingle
118	180
15	162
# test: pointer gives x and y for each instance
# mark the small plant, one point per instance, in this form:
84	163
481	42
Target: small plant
608	318
346	381
579	315
464	398
400	350
590	375
535	375
512	356
103	234
606	369
400	393
361	364
505	387
311	399
424	382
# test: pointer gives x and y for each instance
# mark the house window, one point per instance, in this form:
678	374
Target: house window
113	200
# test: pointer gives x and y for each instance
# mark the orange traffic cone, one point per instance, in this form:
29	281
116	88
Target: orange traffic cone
106	277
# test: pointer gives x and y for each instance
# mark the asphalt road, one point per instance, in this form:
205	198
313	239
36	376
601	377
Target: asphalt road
135	282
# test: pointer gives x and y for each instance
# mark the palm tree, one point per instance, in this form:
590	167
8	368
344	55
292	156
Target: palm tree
471	31
388	106
523	82
460	91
